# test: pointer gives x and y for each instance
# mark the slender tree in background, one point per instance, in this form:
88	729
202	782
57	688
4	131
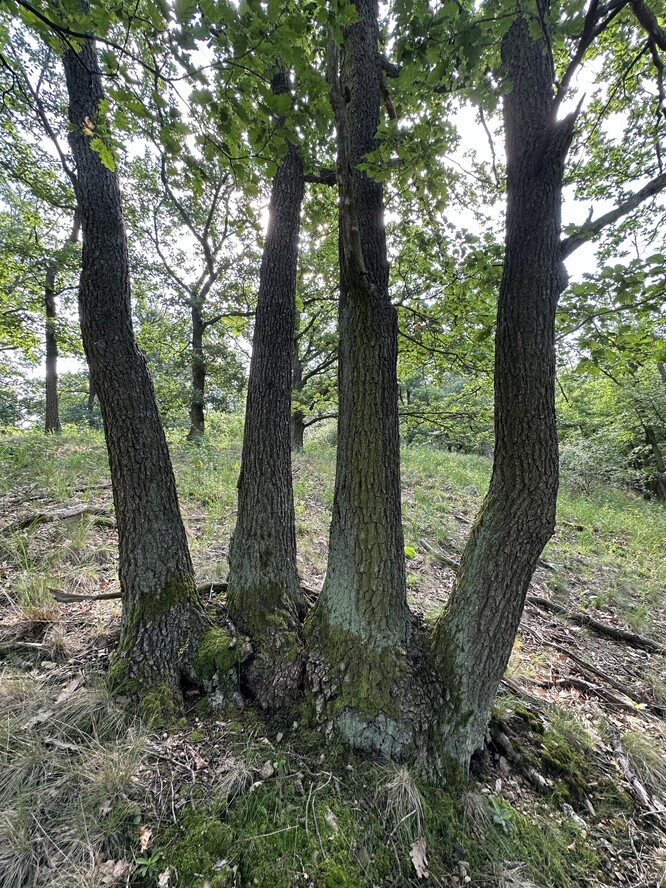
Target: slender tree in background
264	597
52	412
315	347
162	620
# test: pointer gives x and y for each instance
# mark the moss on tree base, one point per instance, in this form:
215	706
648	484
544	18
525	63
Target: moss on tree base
386	700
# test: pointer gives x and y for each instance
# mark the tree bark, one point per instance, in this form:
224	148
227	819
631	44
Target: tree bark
52	418
474	637
197	397
162	620
361	621
264	597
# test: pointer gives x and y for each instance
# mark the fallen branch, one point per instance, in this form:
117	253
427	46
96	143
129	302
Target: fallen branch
603	693
618	685
207	589
101	518
630	638
72	597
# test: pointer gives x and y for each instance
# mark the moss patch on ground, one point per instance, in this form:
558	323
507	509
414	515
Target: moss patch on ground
345	820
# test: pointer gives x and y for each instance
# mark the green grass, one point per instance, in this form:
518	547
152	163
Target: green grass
609	542
325	818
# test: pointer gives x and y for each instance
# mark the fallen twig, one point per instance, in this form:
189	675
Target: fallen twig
520	692
630	638
439	555
454	563
206	589
603	693
618	685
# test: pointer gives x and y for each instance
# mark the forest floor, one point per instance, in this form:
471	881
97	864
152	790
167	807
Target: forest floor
569	791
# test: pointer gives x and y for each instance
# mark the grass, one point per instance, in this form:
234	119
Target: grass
83	776
68	799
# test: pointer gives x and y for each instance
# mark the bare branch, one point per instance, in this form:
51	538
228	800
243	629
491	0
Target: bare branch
591	229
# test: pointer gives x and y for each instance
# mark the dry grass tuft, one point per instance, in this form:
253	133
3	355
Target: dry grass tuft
402	803
476	811
236	778
513	876
69	798
647	760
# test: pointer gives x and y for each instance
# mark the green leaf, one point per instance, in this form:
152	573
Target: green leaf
105	153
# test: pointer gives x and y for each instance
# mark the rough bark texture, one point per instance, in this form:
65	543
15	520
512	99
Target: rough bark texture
364	592
52	418
264	597
197	398
474	637
162	620
358	632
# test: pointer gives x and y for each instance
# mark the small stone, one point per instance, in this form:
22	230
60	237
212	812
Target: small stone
267	770
504	765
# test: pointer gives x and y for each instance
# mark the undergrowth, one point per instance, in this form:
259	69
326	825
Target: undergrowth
257	804
68	798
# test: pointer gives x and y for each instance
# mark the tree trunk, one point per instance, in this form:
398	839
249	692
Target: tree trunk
52	419
297	419
198	376
361	620
659	483
264	597
474	637
662	371
297	431
162	620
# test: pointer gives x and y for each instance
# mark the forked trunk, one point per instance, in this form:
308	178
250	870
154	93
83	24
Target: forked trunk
474	637
162	620
264	597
